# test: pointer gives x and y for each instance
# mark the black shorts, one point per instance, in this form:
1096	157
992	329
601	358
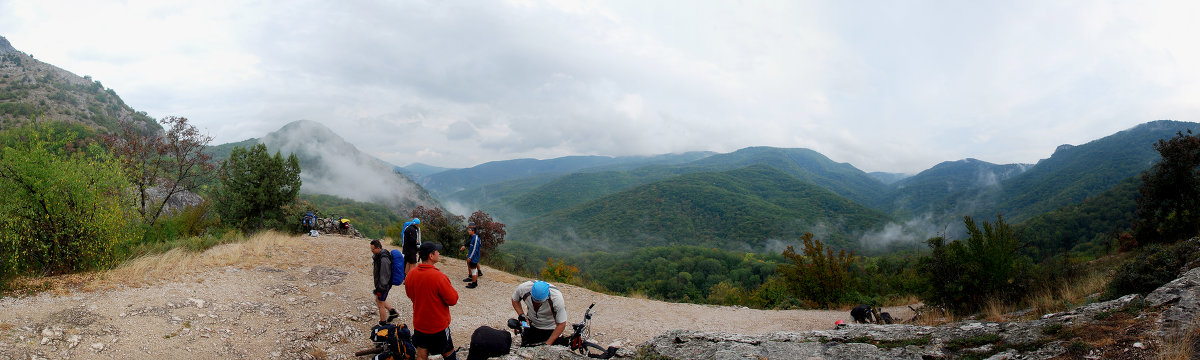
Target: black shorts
534	335
382	294
436	343
410	257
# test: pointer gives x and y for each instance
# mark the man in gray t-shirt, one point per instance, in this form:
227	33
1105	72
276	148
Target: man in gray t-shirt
547	312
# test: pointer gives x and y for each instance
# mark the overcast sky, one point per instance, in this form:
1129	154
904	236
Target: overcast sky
894	86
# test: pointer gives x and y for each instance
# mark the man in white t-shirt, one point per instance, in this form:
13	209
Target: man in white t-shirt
547	312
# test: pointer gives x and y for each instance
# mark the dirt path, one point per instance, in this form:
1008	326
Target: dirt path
304	297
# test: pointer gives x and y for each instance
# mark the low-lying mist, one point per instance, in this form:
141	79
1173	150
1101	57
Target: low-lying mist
330	165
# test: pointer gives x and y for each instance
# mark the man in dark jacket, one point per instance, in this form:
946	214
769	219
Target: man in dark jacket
383	282
410	237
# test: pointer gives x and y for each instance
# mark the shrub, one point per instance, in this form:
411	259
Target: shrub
964	275
818	275
62	208
1154	266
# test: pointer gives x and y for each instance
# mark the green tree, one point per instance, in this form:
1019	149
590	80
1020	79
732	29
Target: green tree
254	187
1169	206
964	274
436	225
818	275
63	206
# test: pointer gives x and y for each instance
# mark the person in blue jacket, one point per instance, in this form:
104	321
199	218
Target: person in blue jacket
476	247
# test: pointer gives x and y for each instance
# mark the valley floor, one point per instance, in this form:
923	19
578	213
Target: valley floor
279	296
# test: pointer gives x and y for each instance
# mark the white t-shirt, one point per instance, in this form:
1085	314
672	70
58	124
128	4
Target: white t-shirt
543	318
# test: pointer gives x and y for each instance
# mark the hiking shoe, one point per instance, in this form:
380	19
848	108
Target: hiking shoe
392	316
472	285
467	280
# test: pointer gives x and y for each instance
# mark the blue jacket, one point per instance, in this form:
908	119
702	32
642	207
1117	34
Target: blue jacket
474	246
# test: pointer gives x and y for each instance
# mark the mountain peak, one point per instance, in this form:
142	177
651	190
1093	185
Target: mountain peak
5	46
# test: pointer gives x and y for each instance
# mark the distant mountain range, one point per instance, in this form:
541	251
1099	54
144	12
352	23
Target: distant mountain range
561	209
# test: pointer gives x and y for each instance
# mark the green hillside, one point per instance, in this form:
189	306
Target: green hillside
1087	227
370	219
451	181
1075	173
739	209
33	89
807	165
949	187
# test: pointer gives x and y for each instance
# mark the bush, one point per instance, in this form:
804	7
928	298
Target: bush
964	274
818	274
62	208
1154	266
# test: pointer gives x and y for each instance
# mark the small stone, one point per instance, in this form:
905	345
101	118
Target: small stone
73	341
199	303
98	346
47	332
1139	345
45	340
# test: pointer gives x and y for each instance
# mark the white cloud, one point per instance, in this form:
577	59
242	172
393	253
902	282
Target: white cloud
885	86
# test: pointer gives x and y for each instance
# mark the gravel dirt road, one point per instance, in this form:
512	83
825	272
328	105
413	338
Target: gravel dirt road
278	296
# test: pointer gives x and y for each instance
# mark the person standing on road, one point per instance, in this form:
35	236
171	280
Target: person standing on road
410	238
476	247
547	312
432	296
383	282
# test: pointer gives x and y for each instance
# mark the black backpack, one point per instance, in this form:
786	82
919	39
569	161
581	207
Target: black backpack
487	342
398	340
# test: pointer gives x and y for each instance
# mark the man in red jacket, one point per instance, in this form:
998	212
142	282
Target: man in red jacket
432	296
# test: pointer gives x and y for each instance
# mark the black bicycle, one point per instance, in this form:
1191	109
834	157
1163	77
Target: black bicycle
578	341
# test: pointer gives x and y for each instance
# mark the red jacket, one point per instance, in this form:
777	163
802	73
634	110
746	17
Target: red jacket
432	296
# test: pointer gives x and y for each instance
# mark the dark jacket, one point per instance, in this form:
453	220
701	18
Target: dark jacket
383	270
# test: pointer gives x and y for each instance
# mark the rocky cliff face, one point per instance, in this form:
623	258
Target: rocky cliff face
5	46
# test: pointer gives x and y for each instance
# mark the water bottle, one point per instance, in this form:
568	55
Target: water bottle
524	324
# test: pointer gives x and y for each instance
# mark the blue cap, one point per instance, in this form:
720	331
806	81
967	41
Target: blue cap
541	291
416	221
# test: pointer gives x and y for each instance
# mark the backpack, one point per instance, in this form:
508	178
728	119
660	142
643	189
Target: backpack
487	342
398	340
397	267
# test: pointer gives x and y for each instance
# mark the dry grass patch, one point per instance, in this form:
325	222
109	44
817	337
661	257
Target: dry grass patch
901	301
178	262
1179	344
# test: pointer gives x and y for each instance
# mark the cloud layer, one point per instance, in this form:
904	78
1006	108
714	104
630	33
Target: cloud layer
885	86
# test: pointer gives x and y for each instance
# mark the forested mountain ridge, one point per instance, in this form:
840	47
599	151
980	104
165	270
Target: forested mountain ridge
31	89
494	172
1073	173
804	164
738	209
946	186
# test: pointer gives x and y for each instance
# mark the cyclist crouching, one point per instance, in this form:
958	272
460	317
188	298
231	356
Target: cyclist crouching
547	312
